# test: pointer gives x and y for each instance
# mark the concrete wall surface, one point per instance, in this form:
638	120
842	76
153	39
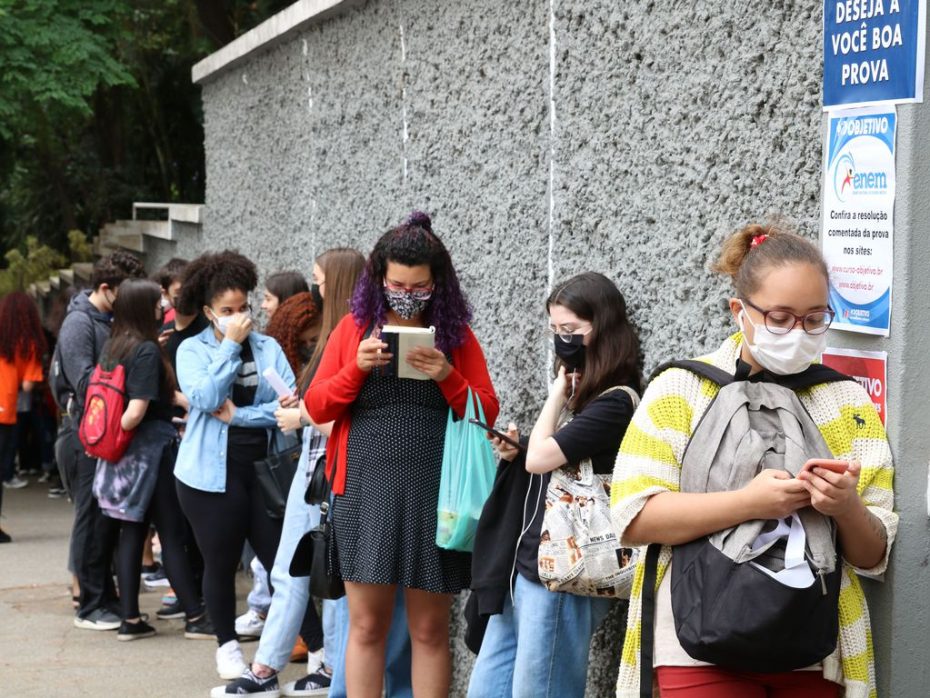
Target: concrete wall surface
549	137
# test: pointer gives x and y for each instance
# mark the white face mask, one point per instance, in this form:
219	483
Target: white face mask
222	321
783	354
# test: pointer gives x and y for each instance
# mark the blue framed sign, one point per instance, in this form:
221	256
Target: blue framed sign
873	52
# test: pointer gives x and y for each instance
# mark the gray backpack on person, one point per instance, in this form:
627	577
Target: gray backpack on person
762	596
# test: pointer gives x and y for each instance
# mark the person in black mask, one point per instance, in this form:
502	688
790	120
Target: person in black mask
531	630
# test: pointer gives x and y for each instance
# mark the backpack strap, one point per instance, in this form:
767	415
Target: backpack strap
816	374
647	621
700	368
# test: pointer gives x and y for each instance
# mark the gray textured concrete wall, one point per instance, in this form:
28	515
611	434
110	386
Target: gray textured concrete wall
551	138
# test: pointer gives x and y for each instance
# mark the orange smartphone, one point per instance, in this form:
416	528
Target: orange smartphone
837	466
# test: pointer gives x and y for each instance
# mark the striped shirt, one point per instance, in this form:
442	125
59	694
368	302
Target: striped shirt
650	459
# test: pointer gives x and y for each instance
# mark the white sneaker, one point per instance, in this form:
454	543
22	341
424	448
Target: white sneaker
316	661
229	661
250	624
15	483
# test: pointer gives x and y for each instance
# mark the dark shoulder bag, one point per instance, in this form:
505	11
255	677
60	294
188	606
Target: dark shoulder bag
275	474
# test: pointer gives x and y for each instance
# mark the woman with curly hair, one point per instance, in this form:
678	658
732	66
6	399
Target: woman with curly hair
384	456
22	345
230	426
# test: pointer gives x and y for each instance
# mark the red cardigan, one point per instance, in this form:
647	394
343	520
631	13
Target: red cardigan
338	381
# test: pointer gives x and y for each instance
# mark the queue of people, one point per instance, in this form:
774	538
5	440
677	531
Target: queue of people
731	501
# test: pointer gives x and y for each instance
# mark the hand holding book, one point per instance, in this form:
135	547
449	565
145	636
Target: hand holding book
430	361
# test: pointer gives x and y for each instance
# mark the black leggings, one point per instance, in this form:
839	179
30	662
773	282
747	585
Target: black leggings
165	512
222	521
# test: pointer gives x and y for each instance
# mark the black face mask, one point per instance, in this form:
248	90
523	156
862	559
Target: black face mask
317	297
306	351
571	353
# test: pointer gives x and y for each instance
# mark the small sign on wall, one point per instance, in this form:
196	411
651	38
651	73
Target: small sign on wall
869	368
873	51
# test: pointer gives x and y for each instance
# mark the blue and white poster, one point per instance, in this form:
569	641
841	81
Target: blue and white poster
873	52
858	217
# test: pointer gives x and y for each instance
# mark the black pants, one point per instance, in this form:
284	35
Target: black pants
222	522
6	444
165	512
93	536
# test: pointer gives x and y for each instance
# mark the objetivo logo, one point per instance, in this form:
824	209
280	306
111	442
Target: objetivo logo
848	181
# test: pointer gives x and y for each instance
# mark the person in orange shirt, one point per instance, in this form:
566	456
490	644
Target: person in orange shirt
22	345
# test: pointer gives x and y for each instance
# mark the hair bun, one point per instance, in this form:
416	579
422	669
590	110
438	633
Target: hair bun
421	219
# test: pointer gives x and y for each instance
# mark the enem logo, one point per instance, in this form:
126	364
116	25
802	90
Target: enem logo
848	181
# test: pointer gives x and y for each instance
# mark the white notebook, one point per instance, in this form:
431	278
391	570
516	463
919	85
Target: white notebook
400	341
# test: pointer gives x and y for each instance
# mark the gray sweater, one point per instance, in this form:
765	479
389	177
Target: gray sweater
83	334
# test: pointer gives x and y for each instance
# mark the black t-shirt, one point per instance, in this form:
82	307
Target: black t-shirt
243	394
199	324
145	377
595	433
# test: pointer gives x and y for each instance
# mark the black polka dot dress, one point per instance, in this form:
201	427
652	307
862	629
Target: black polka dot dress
385	523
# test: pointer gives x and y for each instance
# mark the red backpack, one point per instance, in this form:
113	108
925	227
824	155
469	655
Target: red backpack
101	432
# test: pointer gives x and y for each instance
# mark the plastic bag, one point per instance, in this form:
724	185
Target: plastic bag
468	468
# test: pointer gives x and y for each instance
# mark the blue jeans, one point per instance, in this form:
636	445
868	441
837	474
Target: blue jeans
396	654
549	658
291	594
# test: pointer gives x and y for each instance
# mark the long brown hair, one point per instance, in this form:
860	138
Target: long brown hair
612	353
341	267
134	323
21	334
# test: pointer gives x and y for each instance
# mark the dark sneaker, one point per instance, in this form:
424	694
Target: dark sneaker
150	569
170	611
316	684
249	684
156	579
56	492
199	629
134	631
98	619
5	537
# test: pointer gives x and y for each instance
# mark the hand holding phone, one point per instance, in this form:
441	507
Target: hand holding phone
498	434
836	466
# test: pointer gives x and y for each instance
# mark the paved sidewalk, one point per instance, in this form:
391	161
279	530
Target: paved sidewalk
43	654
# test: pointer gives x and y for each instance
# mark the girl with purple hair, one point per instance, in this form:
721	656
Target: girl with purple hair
385	453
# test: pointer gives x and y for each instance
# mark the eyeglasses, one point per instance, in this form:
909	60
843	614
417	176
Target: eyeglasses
418	294
567	336
778	321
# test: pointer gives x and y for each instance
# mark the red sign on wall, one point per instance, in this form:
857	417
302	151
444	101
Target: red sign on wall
869	368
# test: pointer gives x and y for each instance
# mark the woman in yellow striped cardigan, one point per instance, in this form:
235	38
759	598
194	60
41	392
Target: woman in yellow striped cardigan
781	309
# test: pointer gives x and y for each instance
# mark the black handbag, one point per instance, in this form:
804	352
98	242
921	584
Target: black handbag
315	554
275	474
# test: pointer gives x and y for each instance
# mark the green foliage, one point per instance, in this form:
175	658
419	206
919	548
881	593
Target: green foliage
54	55
36	263
79	246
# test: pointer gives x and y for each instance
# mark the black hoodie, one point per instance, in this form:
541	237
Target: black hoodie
80	341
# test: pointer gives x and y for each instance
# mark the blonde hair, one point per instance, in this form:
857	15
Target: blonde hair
749	252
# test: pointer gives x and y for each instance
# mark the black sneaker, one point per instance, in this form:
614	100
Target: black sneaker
5	537
316	684
134	631
155	579
150	569
56	492
199	629
170	611
249	684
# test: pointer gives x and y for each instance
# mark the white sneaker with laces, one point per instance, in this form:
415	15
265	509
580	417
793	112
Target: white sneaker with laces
250	624
230	664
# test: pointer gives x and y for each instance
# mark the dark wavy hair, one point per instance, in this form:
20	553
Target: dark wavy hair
293	317
114	268
172	271
612	353
21	332
413	243
212	274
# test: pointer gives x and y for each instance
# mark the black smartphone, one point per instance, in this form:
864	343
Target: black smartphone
503	437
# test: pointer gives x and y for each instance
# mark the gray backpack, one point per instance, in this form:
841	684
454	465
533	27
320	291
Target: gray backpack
762	596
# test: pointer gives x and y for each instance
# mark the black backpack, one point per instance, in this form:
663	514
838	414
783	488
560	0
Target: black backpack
730	608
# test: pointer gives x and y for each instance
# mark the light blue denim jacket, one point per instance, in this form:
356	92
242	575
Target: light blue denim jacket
206	372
